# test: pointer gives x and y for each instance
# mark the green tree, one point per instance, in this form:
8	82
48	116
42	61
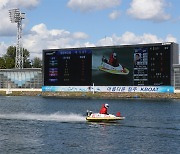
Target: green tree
37	63
10	56
2	63
27	62
11	52
9	63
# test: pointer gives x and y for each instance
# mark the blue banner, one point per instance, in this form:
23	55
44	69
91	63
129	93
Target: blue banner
153	89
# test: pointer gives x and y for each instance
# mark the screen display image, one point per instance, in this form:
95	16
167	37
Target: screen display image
131	65
112	66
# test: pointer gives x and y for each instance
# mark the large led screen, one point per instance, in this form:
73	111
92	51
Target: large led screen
138	65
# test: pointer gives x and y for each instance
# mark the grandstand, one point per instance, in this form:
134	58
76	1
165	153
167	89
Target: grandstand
21	78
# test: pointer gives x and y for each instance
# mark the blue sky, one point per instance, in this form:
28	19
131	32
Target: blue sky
82	23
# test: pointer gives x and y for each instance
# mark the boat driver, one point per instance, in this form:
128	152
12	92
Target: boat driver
104	108
113	60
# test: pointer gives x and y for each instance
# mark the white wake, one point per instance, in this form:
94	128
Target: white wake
59	117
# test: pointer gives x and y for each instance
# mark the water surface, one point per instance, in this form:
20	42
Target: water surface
53	125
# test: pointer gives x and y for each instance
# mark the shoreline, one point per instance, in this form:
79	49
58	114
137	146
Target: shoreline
97	95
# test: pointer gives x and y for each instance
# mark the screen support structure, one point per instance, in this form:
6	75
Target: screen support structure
16	17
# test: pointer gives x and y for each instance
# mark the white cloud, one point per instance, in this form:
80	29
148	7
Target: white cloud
6	27
3	3
170	38
28	4
149	10
107	41
41	38
3	48
90	5
114	15
130	38
80	35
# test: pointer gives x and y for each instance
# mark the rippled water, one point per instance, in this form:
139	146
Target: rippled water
54	125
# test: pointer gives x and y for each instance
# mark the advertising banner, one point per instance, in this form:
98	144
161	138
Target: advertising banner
147	89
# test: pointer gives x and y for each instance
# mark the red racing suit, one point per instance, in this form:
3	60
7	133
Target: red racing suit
103	110
111	59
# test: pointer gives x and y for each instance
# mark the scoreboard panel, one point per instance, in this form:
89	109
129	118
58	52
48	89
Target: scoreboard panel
152	66
159	66
67	67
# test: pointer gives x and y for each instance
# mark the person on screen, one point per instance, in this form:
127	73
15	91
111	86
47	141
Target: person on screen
103	109
113	60
137	58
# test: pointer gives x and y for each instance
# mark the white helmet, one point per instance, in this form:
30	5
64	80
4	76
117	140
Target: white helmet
106	105
114	54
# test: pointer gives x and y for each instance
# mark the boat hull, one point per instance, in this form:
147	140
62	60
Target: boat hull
113	70
100	119
97	117
124	72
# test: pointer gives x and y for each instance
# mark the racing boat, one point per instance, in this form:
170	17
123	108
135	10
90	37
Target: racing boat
97	117
113	70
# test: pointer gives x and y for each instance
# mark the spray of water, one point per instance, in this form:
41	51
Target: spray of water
59	117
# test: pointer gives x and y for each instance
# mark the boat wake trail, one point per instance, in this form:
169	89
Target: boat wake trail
59	117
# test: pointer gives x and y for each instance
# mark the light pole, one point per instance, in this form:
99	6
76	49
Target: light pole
16	17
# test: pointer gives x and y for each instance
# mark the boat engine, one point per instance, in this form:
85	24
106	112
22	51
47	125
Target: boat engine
88	113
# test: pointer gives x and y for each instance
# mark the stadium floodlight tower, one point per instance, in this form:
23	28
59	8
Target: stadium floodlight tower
16	17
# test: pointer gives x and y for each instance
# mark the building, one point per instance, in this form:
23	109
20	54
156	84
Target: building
176	68
21	78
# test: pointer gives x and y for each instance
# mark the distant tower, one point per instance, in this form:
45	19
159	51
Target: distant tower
16	17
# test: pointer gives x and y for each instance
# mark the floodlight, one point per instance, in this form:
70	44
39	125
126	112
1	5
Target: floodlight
16	17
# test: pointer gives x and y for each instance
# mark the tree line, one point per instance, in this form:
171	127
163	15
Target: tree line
7	61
